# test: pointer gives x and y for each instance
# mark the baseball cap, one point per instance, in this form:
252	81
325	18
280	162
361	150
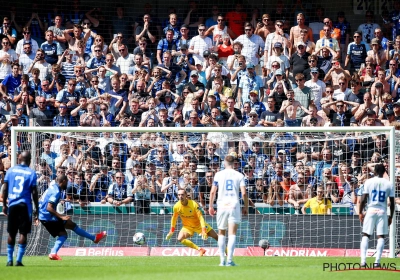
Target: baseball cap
254	92
247	167
370	112
185	26
184	47
278	45
340	14
397	103
314	70
206	53
301	44
194	73
282	152
375	41
167	94
278	72
388	112
249	65
357	152
214	161
353	180
253	112
286	171
353	120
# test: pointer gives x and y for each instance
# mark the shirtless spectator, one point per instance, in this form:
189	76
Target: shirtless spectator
6	162
363	108
335	73
289	108
295	36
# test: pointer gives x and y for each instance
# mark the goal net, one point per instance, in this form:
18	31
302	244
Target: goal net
283	168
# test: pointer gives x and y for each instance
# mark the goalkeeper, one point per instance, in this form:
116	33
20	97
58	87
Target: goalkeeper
192	220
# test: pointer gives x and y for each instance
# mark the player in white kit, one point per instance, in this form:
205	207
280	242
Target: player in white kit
229	184
376	191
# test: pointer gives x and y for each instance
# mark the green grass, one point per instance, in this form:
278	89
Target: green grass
189	268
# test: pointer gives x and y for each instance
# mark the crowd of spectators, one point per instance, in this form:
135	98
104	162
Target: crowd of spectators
220	70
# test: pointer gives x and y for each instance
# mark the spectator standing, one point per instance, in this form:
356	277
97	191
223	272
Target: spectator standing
253	45
299	60
356	53
199	44
26	32
367	29
344	26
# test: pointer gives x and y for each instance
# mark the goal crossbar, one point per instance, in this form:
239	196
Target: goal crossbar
390	131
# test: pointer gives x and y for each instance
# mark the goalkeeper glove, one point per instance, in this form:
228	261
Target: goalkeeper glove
204	235
170	233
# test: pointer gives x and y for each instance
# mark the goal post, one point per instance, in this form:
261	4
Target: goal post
326	133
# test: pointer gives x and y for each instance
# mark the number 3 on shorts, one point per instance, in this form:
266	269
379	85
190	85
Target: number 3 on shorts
229	185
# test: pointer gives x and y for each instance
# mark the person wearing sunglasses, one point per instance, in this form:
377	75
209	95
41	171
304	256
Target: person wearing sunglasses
218	30
356	52
279	36
26	32
119	192
95	62
199	44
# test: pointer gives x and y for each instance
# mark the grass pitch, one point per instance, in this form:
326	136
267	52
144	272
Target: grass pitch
190	268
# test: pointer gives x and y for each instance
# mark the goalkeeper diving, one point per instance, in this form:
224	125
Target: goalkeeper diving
192	221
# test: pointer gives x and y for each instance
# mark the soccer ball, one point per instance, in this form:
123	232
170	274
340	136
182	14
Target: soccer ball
263	243
139	238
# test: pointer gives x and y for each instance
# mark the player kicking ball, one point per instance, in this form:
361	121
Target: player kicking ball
192	221
56	223
376	190
228	183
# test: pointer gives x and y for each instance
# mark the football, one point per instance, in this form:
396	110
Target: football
139	238
263	243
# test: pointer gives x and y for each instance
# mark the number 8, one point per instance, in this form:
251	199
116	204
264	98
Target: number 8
229	185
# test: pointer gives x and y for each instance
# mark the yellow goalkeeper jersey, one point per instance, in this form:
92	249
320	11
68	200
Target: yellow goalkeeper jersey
190	214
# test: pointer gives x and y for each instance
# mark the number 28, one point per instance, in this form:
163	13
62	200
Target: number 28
381	195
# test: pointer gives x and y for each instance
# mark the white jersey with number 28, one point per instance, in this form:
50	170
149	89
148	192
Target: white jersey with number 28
228	182
378	189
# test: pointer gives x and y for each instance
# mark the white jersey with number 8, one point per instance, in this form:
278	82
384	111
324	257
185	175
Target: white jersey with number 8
228	182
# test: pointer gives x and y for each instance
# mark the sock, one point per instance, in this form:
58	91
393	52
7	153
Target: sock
10	252
21	252
231	246
190	244
221	246
379	248
83	233
364	248
59	242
